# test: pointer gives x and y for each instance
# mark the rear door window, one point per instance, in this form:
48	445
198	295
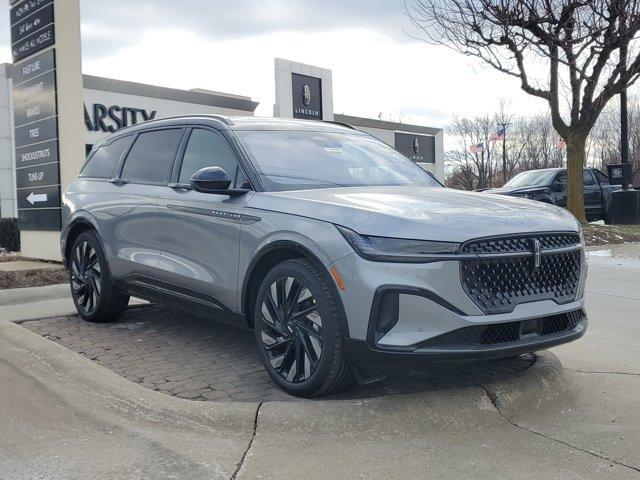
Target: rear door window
102	163
151	156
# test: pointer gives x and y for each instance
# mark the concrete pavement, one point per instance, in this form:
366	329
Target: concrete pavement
63	416
21	304
20	265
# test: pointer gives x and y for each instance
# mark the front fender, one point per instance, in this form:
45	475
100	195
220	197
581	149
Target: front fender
314	239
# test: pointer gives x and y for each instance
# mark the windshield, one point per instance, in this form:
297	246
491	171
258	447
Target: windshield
301	160
534	178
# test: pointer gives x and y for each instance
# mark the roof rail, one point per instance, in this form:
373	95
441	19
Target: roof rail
222	118
342	124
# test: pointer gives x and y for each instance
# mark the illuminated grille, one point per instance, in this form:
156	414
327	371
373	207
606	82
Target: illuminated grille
497	284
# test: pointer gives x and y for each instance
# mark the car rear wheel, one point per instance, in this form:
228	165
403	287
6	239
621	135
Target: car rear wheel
94	294
299	331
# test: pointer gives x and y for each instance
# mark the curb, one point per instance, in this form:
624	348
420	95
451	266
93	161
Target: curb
455	410
542	382
19	296
84	382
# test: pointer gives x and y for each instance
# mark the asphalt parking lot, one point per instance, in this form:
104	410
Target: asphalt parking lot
198	358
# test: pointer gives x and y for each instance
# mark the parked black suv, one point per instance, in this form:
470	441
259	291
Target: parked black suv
549	185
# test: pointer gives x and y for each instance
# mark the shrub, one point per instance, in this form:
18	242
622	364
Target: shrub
9	234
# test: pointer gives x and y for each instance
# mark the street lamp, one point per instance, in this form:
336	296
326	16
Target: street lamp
504	151
623	206
624	120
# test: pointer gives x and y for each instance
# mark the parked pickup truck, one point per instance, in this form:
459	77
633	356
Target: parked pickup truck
549	185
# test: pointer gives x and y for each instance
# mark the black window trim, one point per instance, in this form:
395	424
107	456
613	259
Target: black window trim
117	177
106	143
177	166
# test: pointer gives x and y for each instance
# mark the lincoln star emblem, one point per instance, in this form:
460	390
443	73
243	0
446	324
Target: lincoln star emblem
306	95
537	255
416	145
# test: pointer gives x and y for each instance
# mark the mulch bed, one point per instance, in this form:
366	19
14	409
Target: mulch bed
32	278
598	235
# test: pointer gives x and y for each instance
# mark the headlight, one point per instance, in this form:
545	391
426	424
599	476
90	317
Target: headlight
385	249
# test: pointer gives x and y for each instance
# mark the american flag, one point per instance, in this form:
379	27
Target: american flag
477	148
561	145
499	135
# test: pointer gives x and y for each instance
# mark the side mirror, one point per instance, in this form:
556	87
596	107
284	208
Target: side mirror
214	180
210	179
558	186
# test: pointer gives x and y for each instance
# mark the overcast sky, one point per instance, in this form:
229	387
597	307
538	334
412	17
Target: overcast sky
230	46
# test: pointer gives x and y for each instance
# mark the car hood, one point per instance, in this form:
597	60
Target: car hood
419	212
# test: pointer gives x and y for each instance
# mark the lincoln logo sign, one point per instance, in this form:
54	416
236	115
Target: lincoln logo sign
537	255
307	97
419	148
113	118
306	94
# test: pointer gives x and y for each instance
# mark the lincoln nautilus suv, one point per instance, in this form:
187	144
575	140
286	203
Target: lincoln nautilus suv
343	256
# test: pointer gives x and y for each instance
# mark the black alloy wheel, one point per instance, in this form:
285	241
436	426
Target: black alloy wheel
291	332
300	330
85	277
92	288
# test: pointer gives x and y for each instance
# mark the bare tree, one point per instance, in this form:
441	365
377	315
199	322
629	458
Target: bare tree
474	131
463	175
580	45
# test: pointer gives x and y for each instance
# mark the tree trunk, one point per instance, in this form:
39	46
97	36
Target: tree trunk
575	163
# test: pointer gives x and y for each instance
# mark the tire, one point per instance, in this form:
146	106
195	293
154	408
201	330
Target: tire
301	340
92	289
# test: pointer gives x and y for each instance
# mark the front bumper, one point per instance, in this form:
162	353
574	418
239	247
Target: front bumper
405	313
364	354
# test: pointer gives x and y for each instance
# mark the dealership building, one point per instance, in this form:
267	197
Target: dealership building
113	104
51	115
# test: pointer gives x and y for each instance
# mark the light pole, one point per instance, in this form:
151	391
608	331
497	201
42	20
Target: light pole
623	206
504	151
624	121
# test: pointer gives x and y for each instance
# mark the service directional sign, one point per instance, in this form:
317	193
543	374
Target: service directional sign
32	27
35	119
38	176
41	197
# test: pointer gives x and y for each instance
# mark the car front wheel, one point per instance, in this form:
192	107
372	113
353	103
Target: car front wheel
299	330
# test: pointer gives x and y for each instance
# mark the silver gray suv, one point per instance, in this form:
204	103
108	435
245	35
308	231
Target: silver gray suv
345	258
